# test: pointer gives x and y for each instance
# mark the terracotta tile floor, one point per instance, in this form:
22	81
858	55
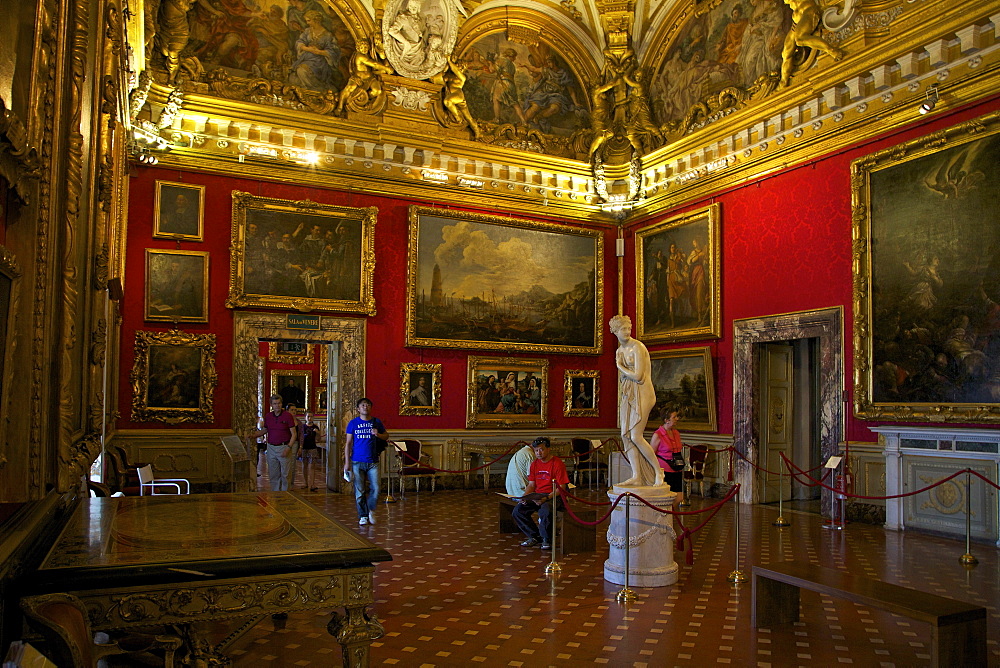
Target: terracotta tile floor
459	594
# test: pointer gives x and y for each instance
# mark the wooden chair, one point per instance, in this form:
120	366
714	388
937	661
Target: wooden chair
62	621
586	462
695	472
414	464
148	483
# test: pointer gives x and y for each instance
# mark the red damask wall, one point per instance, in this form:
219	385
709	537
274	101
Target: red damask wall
786	247
386	329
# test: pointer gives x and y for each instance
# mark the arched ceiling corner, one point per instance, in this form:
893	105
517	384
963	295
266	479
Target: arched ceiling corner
358	16
655	41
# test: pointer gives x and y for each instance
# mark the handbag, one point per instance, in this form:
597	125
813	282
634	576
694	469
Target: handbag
677	461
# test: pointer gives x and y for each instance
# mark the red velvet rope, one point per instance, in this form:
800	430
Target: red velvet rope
777	473
416	462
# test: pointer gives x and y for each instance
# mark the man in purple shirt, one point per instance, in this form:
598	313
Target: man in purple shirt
280	426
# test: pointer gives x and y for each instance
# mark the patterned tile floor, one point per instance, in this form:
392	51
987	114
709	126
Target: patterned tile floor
457	593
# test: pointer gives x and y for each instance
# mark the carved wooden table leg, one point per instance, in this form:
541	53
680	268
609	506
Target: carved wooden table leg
355	631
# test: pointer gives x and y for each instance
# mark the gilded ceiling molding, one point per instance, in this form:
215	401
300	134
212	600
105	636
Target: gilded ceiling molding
556	17
10	269
19	162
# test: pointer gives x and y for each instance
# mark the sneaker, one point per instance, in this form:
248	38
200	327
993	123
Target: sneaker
371	518
546	546
363	521
530	542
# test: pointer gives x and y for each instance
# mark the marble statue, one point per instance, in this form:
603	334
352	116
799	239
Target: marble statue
636	397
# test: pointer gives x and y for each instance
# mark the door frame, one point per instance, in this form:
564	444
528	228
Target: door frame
826	325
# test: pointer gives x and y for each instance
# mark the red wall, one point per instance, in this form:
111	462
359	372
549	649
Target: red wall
386	329
787	247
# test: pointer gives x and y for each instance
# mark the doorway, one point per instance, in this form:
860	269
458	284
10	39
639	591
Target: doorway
347	336
789	415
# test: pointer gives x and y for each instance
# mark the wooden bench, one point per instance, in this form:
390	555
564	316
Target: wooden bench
958	630
571	535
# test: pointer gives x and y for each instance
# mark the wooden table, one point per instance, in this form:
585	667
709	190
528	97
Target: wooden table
958	630
180	560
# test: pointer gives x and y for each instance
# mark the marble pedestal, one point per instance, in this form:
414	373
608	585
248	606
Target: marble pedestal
650	539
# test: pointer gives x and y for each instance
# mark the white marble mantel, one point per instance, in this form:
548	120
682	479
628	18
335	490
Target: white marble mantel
917	456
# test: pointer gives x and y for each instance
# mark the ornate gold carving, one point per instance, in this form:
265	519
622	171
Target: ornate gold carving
776	415
98	343
947	498
364	91
180	408
454	110
19	161
806	16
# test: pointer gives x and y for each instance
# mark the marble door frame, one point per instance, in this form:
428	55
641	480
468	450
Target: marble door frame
826	325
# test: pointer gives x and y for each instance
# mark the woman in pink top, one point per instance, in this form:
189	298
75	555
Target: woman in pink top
666	441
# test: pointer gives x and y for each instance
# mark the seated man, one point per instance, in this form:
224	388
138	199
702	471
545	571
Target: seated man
546	479
518	470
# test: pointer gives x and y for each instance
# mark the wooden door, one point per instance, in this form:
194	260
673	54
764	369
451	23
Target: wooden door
777	417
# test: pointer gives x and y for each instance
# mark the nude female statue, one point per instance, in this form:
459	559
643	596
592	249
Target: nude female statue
636	397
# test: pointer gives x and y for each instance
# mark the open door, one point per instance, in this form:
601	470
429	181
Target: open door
777	420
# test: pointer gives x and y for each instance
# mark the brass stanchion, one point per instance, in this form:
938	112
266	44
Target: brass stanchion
781	522
686	482
967	559
626	595
554	566
737	576
389	498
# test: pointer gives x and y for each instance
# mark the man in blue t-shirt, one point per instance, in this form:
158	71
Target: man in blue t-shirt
360	460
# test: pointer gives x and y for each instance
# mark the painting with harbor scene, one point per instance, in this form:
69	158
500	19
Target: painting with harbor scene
478	281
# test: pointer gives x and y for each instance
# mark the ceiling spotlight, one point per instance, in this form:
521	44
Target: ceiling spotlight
930	100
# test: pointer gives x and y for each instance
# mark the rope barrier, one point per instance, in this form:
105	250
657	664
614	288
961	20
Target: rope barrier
769	472
416	462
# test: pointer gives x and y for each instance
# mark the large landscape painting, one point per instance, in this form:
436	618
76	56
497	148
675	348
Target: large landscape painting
932	277
503	284
523	85
732	44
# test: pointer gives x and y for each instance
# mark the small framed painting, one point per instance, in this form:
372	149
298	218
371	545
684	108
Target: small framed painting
179	211
176	285
419	389
580	391
293	386
683	379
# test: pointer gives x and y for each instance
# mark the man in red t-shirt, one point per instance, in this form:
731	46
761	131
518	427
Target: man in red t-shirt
545	481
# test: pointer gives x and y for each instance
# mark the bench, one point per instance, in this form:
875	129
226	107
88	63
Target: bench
571	535
958	630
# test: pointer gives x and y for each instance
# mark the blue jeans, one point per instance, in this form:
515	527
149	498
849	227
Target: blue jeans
363	472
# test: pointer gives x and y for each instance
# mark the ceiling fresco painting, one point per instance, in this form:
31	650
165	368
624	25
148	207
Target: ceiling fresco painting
528	86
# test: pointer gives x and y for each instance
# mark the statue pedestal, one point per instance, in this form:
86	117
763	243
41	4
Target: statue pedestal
650	539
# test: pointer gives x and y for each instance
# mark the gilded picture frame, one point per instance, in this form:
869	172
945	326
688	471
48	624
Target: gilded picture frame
293	386
927	277
419	389
684	378
678	293
320	405
501	393
173	377
581	392
486	282
179	211
176	285
290	352
301	255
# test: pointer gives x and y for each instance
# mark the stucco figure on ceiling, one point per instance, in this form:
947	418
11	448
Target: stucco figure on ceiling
419	35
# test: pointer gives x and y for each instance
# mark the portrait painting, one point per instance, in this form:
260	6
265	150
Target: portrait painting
487	282
321	403
683	380
580	392
173	377
419	389
179	211
293	386
290	352
677	278
302	43
176	285
927	277
507	392
732	44
526	86
301	255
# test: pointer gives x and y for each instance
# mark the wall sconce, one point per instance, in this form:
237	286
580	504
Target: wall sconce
931	98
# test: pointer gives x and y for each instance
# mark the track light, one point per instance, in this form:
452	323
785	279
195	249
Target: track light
931	98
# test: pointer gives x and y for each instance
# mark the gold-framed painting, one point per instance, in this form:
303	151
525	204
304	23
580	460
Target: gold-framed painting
179	211
293	386
581	388
290	352
173	377
479	281
678	294
507	392
301	255
927	277
419	389
683	379
320	405
176	285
